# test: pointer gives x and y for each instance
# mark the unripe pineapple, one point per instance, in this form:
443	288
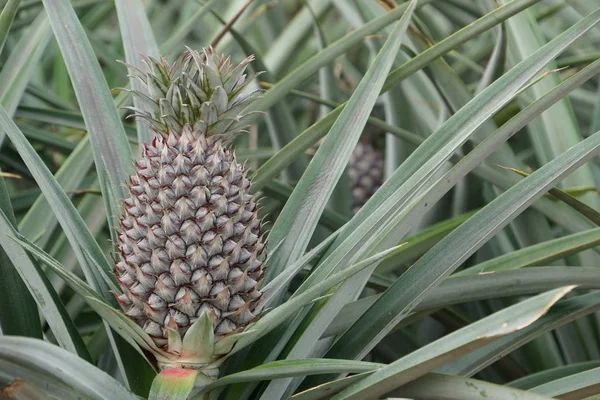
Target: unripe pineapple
190	245
365	169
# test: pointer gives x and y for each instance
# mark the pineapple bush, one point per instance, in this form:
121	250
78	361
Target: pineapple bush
299	199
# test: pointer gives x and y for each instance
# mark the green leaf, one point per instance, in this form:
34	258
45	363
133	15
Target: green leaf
555	131
38	222
541	253
310	136
325	390
46	365
279	314
129	330
561	314
18	68
19	313
433	386
185	27
138	41
573	202
463	289
324	57
314	325
291	368
44	294
451	251
299	217
418	244
539	378
6	19
462	341
576	386
82	241
495	66
274	288
109	141
282	49
481	25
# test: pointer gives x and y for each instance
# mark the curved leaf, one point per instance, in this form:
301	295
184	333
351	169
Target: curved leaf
460	342
41	362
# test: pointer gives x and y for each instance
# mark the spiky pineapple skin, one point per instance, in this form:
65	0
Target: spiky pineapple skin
190	238
365	169
190	242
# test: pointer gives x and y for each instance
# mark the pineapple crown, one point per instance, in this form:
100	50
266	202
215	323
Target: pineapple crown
200	89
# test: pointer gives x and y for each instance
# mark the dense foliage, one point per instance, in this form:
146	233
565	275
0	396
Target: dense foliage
411	211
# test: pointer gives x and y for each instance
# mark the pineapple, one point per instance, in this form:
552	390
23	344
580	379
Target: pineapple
190	246
365	169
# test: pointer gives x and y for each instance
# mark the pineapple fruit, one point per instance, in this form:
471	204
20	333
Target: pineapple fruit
365	169
190	246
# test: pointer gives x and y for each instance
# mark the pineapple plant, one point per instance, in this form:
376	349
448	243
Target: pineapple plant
133	252
190	240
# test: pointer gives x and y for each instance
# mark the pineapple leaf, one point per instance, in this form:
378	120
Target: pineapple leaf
183	28
495	66
138	40
282	49
199	340
19	316
6	19
49	366
273	288
563	313
300	215
581	384
542	377
130	331
324	57
311	135
42	291
291	368
107	135
392	207
461	388
540	254
476	335
569	199
19	67
279	314
73	225
464	289
447	254
324	391
69	177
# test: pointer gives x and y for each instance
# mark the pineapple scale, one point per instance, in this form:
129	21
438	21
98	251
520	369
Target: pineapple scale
190	239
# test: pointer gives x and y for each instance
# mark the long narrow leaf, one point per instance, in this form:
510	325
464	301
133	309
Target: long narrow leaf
44	362
6	19
109	142
48	301
297	221
138	41
462	341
